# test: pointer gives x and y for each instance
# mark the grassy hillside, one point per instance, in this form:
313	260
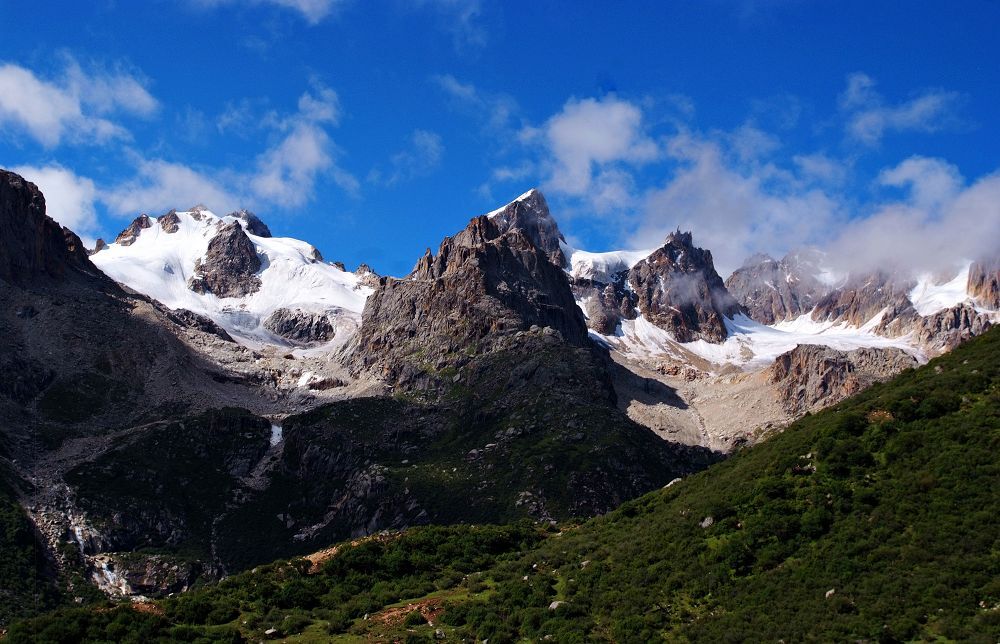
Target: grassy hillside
878	519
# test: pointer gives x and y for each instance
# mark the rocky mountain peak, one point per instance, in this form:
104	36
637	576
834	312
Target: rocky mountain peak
254	224
170	222
530	214
230	265
485	284
32	244
984	282
772	291
128	236
864	296
680	291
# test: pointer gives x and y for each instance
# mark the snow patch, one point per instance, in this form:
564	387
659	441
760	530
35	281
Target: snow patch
751	345
277	434
929	297
159	264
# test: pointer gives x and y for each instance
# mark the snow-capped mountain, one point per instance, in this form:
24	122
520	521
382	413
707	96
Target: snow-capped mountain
259	288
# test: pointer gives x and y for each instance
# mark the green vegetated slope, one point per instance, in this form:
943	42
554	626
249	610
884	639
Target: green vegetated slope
878	519
27	584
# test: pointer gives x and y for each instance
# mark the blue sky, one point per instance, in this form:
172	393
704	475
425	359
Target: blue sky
373	129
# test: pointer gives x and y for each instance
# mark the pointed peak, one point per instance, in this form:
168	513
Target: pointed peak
254	225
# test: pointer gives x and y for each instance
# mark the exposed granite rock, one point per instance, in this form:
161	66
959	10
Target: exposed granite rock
679	291
606	304
128	236
230	265
865	296
99	245
301	327
194	320
811	377
170	222
254	224
984	282
33	245
487	281
367	277
529	213
945	330
772	290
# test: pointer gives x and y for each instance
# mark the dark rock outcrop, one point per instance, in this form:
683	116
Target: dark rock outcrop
128	236
300	327
170	222
984	282
606	304
99	245
32	245
772	291
230	266
486	282
254	224
679	290
529	213
193	320
811	377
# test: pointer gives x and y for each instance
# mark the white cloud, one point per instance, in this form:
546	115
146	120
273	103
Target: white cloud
314	11
587	142
869	118
732	212
422	157
939	221
495	111
69	198
284	175
160	185
820	168
71	108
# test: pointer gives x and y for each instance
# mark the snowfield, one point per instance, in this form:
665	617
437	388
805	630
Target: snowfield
159	264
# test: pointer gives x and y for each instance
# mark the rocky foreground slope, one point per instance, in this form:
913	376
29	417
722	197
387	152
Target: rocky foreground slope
873	520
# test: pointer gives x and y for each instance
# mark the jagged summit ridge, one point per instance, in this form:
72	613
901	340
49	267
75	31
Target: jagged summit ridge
498	276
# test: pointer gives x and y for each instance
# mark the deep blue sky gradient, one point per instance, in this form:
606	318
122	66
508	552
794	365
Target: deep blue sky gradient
733	61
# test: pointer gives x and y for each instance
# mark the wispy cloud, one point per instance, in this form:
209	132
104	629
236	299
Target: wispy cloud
313	11
420	158
284	175
869	117
461	18
74	107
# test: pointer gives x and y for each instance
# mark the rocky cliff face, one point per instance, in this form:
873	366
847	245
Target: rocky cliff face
945	330
984	282
772	291
489	281
679	290
529	213
865	296
254	224
34	247
128	236
606	304
230	266
300	327
811	377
